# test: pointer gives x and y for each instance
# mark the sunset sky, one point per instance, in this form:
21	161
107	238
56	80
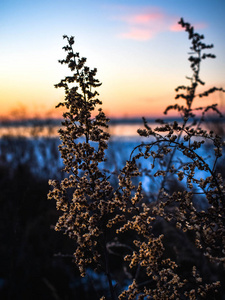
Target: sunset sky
138	48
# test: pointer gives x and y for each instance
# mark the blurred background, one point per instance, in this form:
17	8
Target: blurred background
141	56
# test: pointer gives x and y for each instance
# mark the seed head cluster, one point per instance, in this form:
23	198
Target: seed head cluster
170	247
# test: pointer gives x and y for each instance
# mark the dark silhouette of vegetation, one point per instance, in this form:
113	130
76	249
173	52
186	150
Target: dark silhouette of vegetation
31	267
161	246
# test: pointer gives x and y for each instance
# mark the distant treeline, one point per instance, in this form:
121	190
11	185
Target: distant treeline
113	121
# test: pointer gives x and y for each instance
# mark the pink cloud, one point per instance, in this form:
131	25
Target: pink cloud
142	26
137	34
146	18
145	23
176	27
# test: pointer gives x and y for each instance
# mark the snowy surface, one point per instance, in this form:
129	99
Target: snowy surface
42	157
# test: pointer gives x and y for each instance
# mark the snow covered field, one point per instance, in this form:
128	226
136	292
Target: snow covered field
42	158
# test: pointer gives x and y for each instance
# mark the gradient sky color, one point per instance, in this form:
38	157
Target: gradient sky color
138	48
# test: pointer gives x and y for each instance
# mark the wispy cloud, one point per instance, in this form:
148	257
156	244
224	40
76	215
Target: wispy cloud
139	34
176	27
146	23
142	18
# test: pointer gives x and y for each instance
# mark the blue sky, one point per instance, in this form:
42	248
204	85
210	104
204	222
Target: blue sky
140	54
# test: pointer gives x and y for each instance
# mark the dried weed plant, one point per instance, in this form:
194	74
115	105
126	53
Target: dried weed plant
169	248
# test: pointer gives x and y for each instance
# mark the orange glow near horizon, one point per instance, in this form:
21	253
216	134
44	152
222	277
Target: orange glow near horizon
148	108
21	112
140	51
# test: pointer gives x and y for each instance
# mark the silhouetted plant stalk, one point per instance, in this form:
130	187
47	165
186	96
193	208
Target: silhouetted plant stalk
83	197
187	112
169	248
